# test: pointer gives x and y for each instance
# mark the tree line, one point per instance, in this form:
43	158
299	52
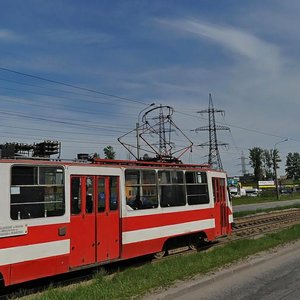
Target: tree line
265	162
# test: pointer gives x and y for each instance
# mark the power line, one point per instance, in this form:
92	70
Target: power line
242	128
32	103
56	131
49	88
73	86
57	96
38	118
37	138
126	99
123	98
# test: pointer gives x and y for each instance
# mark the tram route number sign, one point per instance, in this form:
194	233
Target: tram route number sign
13	230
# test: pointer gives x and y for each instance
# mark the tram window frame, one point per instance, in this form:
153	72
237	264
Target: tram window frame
196	187
76	195
171	187
101	194
113	193
141	189
44	186
89	197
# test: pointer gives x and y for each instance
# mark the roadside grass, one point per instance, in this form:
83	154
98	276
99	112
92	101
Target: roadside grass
263	199
135	282
239	214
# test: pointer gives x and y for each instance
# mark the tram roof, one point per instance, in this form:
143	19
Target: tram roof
110	162
148	163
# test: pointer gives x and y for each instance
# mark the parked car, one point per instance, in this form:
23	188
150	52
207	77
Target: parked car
252	192
286	191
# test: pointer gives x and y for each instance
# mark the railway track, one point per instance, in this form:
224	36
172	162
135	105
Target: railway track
266	222
249	226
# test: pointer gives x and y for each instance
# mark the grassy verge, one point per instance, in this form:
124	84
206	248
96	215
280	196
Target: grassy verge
135	282
261	199
252	212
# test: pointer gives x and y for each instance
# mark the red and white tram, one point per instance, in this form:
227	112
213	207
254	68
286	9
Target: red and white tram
59	216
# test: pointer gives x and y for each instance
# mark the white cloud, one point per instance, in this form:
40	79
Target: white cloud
265	55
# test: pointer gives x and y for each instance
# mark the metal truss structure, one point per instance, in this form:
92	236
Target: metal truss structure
214	158
154	137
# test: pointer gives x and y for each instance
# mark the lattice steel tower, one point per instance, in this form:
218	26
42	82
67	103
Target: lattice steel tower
214	158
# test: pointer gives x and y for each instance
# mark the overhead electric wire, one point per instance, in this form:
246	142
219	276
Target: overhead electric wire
59	106
73	86
126	100
61	122
104	100
38	138
56	96
231	135
96	134
243	128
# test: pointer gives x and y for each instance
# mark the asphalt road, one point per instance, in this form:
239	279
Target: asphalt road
246	207
272	275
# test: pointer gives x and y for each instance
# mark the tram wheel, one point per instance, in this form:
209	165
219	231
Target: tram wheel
194	242
160	254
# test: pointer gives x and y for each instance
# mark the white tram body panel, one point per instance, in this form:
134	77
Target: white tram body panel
60	216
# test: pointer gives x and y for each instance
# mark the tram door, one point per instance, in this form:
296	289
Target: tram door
83	221
221	220
108	218
94	219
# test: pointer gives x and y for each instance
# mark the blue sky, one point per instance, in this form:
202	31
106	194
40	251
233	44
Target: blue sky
245	53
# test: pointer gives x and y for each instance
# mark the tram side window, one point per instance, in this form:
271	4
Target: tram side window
76	195
171	188
141	189
36	192
101	194
196	188
113	192
24	175
89	205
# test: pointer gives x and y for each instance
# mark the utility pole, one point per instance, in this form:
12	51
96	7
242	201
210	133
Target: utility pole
275	166
243	164
214	158
277	159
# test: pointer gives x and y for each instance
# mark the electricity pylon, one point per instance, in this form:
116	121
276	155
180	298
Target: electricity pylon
214	158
